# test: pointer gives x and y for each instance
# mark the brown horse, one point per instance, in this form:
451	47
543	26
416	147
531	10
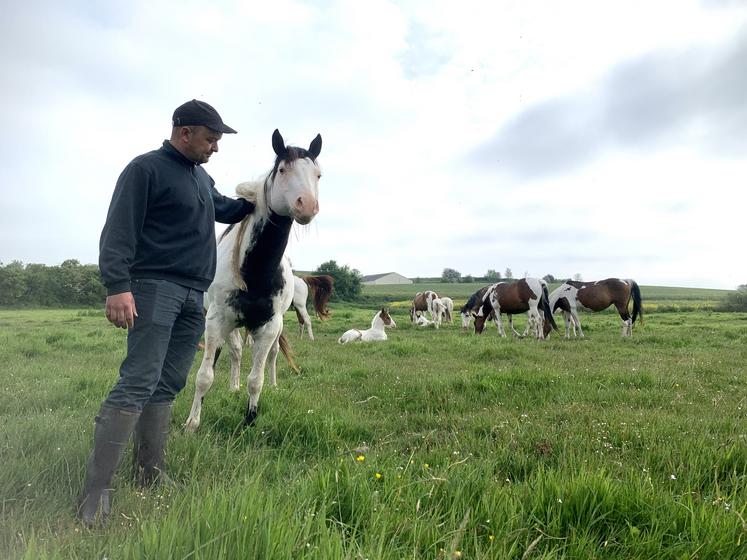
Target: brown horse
525	295
597	296
430	302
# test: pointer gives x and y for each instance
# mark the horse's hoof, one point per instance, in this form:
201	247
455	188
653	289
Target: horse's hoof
251	416
191	425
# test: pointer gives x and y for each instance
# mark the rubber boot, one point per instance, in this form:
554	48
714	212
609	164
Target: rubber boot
149	450
111	434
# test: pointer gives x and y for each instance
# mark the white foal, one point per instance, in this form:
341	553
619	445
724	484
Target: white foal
381	320
422	321
448	308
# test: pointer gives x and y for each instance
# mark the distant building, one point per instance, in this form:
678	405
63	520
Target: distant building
386	278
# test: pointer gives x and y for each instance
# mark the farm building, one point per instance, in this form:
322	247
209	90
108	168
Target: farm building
386	278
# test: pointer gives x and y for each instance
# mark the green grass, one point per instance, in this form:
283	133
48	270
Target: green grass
471	447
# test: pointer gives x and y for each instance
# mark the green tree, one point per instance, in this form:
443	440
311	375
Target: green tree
549	278
13	284
508	274
450	275
347	280
492	275
736	301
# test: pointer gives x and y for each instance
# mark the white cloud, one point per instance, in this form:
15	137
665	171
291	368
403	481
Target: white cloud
402	94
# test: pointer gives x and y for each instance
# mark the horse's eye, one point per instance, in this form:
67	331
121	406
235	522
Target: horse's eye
281	170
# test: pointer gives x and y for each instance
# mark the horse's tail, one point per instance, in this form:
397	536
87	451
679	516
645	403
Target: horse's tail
545	303
321	290
288	353
637	301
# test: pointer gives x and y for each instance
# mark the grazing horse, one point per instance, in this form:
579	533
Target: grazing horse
596	296
253	284
473	306
527	294
381	320
430	302
448	308
321	290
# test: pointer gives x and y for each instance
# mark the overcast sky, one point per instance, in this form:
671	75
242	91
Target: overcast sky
592	138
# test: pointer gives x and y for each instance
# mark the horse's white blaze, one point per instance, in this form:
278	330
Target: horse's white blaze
295	192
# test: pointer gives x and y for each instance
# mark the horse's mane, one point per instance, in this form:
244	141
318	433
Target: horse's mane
254	193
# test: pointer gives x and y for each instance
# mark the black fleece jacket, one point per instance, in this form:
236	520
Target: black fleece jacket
161	222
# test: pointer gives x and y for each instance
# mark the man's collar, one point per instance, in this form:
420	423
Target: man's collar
169	148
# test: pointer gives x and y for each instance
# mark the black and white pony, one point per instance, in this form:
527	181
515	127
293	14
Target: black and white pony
254	284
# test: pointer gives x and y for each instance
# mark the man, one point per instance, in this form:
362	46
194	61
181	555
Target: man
157	258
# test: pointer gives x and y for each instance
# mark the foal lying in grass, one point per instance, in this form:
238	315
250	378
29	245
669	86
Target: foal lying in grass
381	320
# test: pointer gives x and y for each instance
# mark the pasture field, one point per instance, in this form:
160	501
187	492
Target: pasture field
433	444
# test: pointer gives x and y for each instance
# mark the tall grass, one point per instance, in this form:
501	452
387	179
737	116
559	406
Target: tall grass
434	444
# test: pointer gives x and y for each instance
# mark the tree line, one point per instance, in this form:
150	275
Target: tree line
72	284
453	276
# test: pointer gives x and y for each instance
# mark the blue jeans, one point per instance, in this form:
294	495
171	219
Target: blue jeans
161	345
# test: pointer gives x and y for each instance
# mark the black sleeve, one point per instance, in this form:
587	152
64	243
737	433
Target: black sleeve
123	226
229	210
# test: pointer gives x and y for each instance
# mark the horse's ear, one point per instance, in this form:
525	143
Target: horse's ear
278	144
315	147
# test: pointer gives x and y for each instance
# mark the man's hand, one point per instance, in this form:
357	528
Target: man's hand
120	310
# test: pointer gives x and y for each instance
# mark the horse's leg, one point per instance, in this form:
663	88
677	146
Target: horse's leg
264	338
235	348
578	324
216	331
499	324
627	322
511	326
568	322
272	358
306	321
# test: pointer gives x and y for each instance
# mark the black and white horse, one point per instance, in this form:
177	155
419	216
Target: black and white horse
528	295
254	284
596	296
472	306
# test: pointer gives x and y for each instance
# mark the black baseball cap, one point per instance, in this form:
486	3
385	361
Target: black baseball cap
199	113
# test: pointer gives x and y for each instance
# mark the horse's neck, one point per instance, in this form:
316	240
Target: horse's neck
263	245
